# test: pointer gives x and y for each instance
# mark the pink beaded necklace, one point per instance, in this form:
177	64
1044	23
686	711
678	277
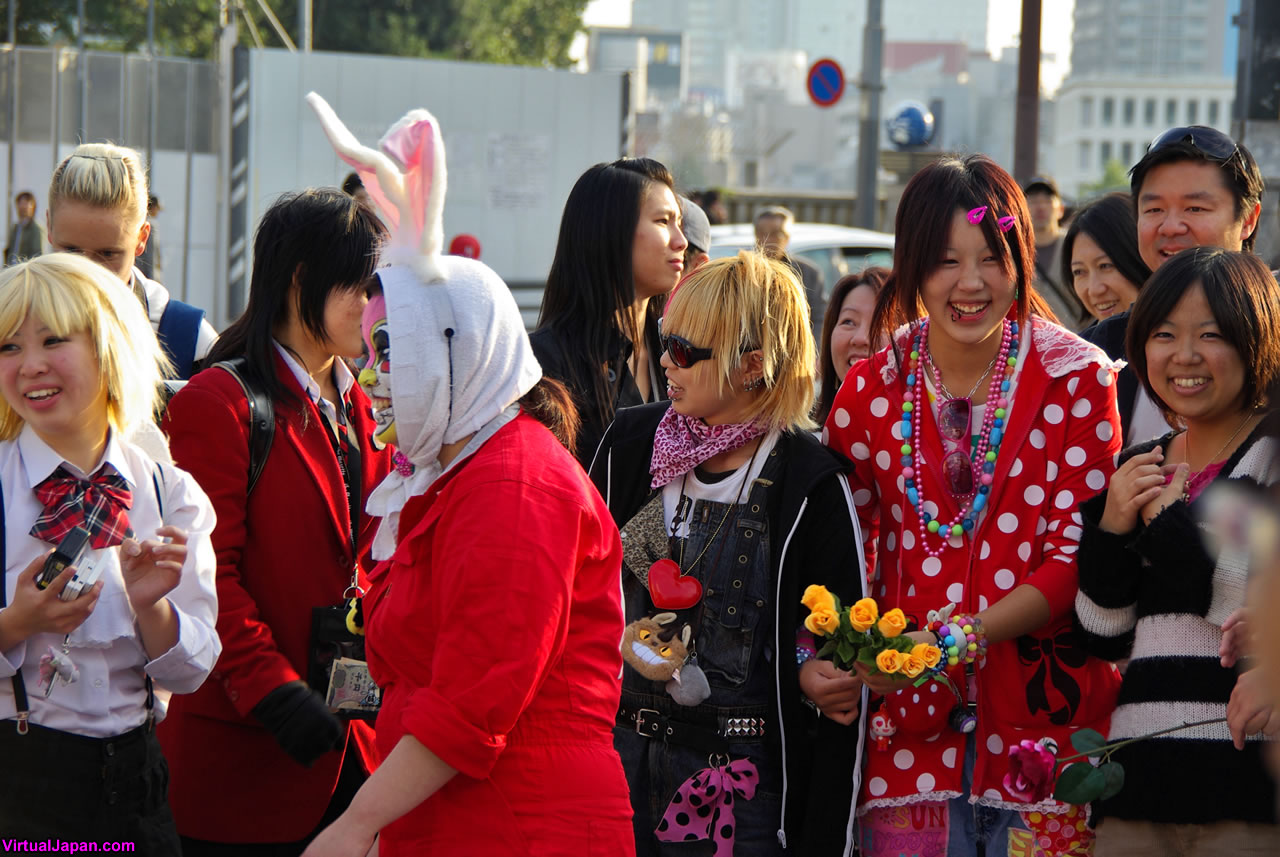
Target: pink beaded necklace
989	438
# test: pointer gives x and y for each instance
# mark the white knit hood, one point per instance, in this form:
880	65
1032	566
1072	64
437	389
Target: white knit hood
460	357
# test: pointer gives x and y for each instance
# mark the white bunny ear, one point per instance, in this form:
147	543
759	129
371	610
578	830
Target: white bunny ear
379	173
415	144
406	180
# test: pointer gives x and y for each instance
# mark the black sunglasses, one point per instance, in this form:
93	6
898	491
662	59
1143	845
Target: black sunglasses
1203	139
683	352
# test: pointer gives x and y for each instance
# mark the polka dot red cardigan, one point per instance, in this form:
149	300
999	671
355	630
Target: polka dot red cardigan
1061	438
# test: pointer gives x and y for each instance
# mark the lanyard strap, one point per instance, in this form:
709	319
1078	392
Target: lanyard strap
347	450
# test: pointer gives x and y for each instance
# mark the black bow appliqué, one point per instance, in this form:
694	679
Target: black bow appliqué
1052	653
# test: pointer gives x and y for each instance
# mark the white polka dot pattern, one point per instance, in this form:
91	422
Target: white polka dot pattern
841	418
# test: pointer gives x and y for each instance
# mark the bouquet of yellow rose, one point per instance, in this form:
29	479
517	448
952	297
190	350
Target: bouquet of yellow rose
861	634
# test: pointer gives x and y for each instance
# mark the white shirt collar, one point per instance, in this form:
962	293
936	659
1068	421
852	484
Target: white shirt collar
342	376
40	460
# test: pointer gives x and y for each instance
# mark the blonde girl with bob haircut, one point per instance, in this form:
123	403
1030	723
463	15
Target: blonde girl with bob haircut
98	209
730	509
87	662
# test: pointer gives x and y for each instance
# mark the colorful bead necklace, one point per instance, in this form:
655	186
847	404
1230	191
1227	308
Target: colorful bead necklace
989	438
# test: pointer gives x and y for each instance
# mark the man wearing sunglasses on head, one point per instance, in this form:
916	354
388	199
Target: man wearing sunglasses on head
1194	187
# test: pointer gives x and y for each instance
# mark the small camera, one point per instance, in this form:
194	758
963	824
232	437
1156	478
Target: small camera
88	570
73	546
963	719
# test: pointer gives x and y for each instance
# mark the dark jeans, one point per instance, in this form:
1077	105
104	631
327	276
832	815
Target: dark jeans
61	786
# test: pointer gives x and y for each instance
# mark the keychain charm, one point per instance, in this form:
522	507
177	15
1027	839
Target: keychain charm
57	666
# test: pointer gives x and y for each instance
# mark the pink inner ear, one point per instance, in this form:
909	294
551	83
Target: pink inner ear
975	215
413	147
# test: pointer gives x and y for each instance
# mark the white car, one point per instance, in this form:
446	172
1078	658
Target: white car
836	250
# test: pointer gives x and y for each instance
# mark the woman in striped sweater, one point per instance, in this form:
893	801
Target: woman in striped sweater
1204	339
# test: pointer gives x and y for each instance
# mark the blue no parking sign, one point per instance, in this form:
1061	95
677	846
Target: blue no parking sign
826	82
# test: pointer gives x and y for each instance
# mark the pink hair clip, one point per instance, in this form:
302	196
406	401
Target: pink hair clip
1007	222
975	215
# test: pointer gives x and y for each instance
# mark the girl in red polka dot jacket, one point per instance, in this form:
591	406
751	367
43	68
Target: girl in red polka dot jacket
973	436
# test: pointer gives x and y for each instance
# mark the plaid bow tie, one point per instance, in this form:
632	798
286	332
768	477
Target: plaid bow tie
101	505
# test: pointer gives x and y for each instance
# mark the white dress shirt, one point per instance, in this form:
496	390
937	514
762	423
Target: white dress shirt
109	697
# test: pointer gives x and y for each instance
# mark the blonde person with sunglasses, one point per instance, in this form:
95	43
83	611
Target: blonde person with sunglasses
973	437
729	509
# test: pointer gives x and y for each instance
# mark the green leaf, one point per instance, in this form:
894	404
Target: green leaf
828	648
846	652
1114	772
867	657
1088	741
1080	783
845	627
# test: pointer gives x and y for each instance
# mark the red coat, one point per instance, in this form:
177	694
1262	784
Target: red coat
285	553
1062	435
499	652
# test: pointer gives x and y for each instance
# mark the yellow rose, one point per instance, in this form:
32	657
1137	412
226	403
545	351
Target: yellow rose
863	614
892	623
927	653
912	665
889	661
825	623
818	598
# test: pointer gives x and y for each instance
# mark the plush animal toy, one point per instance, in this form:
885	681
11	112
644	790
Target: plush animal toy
657	647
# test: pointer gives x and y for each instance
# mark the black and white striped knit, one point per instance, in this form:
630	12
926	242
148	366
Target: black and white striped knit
1156	597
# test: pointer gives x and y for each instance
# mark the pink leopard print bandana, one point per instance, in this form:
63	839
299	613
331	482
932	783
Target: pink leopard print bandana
681	443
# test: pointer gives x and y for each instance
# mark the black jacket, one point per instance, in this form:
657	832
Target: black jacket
558	360
816	540
1109	336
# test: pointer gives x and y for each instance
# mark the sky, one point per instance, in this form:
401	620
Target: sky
1004	23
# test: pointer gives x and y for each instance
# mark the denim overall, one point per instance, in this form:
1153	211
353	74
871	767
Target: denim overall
733	642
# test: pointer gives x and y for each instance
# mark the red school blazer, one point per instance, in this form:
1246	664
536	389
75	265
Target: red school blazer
282	553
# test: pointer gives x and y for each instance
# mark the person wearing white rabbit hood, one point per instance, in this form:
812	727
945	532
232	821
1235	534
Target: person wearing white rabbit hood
498	654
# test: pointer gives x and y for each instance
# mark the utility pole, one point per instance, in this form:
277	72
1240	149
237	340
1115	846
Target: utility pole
869	125
13	102
82	75
1026	124
151	83
305	20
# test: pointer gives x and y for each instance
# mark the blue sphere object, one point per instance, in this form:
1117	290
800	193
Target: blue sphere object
910	124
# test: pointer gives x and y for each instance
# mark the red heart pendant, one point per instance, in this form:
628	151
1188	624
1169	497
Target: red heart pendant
669	589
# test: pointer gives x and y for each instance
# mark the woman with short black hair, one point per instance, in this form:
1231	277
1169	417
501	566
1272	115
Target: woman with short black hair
259	735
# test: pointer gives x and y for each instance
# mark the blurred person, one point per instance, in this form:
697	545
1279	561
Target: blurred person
260	762
773	235
98	208
26	237
88	677
1100	256
697	231
846	332
620	251
149	261
728	482
713	205
1204	338
1045	204
1194	187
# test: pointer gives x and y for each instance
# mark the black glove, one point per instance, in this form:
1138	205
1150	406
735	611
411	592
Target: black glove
301	722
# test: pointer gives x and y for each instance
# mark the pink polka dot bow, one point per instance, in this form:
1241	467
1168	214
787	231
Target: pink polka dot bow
703	805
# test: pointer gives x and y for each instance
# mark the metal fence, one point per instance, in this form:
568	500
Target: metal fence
53	98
